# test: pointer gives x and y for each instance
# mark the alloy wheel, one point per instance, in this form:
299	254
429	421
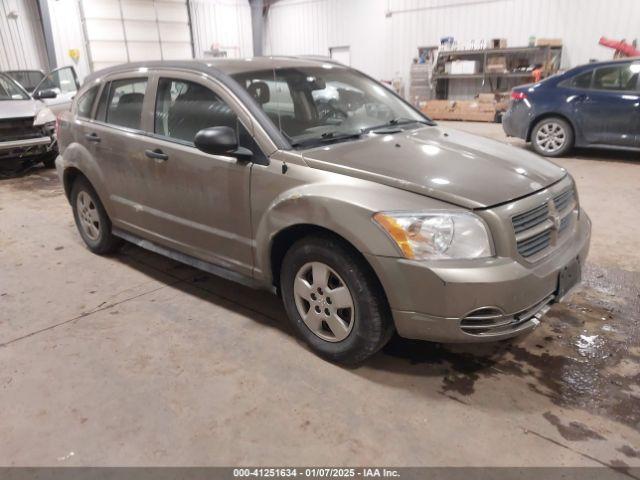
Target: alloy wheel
88	215
324	301
551	137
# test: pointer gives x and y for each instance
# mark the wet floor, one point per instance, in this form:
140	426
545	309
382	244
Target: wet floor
585	354
134	346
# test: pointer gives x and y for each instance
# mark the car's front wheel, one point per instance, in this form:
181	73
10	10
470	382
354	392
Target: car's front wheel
552	137
334	300
49	159
91	218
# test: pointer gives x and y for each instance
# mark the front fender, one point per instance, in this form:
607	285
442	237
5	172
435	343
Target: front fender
338	203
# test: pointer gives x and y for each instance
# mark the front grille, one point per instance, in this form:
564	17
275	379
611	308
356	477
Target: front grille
535	244
18	129
530	219
539	229
563	200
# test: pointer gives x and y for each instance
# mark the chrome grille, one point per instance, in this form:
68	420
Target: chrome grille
535	244
539	229
563	200
530	219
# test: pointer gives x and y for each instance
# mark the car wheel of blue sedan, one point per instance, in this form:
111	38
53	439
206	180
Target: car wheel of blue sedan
552	137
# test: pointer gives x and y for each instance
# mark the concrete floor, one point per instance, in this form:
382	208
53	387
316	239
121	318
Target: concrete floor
137	360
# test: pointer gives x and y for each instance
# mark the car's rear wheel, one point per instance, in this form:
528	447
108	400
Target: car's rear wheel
334	300
91	219
552	137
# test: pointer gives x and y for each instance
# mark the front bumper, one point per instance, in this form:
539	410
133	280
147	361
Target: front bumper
430	301
28	147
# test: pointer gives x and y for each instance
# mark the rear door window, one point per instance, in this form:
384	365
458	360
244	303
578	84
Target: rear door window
124	102
183	108
618	77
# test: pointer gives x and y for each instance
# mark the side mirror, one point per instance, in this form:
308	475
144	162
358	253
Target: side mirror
47	93
221	141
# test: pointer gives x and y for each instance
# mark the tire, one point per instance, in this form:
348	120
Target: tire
365	328
49	161
552	137
91	219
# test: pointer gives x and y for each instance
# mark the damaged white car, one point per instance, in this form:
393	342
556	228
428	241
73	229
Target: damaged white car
27	125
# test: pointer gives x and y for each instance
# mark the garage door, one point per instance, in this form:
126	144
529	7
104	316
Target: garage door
120	31
21	41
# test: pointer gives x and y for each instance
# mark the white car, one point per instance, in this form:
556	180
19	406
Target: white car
27	125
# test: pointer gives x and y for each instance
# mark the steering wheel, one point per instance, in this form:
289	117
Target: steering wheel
329	111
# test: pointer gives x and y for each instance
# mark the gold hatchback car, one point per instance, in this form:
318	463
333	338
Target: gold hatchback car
315	181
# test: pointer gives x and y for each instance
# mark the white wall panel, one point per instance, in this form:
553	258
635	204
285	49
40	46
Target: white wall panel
311	27
21	37
384	34
222	24
66	26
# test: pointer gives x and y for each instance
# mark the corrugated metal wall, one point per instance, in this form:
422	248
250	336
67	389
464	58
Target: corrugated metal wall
222	24
299	27
21	37
384	34
66	25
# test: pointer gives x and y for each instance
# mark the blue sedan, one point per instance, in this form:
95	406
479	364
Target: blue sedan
594	105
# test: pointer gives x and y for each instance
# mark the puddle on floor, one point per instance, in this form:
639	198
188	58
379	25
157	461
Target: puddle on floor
585	354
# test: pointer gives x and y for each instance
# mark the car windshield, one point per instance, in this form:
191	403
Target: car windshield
28	79
317	105
10	90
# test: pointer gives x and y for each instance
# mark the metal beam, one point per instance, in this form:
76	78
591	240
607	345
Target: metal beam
257	25
45	20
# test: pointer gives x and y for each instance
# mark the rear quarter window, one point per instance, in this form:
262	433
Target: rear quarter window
85	103
582	80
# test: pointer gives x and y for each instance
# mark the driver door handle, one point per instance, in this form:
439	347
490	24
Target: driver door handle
92	137
157	154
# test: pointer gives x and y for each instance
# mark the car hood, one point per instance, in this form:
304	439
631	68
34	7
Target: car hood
448	165
19	108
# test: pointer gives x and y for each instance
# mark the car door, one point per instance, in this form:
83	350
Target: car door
194	202
64	82
607	113
113	139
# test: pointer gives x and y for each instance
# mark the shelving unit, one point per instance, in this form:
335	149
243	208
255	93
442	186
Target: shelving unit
516	58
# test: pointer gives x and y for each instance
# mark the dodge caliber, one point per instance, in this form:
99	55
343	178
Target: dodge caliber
313	180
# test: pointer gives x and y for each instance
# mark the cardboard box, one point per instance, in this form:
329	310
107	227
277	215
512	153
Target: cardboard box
466	110
548	42
497	64
486	97
461	67
498	43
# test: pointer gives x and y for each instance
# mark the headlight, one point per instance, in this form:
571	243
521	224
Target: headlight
44	116
422	236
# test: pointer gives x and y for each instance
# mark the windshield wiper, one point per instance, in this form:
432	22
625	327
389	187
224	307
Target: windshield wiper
327	137
394	122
